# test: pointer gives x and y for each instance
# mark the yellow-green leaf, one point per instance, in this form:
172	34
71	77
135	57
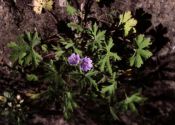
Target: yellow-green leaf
128	21
48	5
38	5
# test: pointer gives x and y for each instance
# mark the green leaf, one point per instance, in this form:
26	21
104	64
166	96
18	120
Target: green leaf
129	102
71	10
75	26
128	22
112	111
108	64
31	77
78	51
110	89
58	52
51	75
143	42
7	94
138	60
68	43
86	79
92	82
105	61
18	52
145	53
98	37
35	40
44	48
102	63
141	51
69	105
91	73
32	58
24	51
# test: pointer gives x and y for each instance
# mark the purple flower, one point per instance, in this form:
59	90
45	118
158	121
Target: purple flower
74	59
86	64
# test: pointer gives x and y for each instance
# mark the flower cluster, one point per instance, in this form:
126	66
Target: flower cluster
84	63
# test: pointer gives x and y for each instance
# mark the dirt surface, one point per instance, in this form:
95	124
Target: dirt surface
160	109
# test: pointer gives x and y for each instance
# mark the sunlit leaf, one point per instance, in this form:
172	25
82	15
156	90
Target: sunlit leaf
38	5
48	5
128	21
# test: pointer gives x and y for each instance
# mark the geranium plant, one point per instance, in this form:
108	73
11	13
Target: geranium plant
86	67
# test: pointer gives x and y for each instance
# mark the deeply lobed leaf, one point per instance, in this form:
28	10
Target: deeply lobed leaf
141	51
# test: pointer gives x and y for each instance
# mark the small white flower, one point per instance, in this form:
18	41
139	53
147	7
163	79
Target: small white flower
18	97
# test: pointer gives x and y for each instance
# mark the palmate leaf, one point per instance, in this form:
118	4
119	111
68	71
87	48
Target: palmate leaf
142	42
109	89
85	79
97	36
38	5
129	102
128	22
33	39
105	61
69	44
32	56
58	52
141	51
89	78
136	60
18	52
24	50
